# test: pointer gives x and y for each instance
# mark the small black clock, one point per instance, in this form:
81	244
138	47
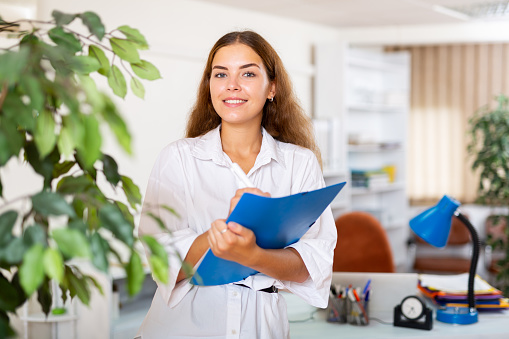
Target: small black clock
413	313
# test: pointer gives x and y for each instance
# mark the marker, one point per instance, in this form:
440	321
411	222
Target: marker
239	173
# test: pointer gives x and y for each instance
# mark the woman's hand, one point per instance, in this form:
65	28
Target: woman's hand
239	192
232	242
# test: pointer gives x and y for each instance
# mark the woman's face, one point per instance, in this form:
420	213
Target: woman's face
239	85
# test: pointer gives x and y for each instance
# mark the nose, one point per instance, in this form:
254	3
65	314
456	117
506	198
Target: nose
233	84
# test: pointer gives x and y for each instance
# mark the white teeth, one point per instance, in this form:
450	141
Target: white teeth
234	101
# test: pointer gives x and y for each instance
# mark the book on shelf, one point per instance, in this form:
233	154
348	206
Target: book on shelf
370	179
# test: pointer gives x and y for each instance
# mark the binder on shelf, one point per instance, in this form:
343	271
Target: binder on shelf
276	223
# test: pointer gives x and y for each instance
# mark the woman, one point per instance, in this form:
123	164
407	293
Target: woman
247	114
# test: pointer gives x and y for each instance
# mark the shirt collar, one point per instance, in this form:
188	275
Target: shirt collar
208	147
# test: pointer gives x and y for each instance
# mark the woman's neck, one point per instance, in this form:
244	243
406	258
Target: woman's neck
242	144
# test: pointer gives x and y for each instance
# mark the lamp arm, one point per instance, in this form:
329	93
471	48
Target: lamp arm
475	258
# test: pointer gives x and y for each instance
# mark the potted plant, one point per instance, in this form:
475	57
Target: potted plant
489	147
50	116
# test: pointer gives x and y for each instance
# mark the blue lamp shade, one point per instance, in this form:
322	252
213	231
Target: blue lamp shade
434	224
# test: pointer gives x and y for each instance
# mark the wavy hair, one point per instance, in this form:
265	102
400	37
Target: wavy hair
283	118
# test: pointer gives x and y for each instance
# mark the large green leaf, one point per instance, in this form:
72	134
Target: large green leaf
75	185
135	36
5	153
98	53
146	70
7	222
50	203
34	234
112	219
131	191
6	331
158	259
65	40
65	142
159	269
53	264
12	65
135	274
77	285
71	242
44	136
90	150
75	127
117	82
62	168
117	125
83	64
31	271
100	249
125	49
110	169
13	252
93	23
62	18
17	113
44	296
137	88
43	166
34	90
8	295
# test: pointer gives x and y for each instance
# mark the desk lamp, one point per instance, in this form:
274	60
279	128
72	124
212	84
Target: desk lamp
433	226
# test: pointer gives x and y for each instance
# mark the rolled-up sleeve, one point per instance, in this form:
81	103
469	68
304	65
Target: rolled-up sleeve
166	188
316	247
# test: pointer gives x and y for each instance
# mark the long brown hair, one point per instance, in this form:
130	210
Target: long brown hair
283	118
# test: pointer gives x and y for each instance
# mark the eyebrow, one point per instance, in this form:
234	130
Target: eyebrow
241	67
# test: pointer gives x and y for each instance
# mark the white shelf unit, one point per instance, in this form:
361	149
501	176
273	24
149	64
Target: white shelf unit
366	92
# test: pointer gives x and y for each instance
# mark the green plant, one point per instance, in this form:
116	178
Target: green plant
50	116
490	148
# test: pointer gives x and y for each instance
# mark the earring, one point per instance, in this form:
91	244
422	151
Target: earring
271	99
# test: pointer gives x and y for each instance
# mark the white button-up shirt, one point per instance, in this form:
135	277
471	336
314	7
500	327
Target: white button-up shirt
193	177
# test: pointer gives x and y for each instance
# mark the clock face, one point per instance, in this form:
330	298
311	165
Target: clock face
412	308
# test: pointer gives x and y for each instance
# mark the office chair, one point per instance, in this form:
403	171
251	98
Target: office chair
455	257
363	245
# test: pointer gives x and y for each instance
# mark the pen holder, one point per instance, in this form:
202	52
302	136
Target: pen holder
336	311
357	312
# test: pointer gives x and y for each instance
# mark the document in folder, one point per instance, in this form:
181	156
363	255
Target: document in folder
276	223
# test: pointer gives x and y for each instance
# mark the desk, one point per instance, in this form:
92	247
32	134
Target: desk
490	325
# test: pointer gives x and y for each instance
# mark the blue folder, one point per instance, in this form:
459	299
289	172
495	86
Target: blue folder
276	223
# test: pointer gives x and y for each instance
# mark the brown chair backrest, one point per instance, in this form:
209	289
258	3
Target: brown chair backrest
362	245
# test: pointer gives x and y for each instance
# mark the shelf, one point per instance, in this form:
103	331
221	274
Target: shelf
375	107
381	147
381	189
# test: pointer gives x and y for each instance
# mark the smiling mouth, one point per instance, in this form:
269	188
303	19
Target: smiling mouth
235	101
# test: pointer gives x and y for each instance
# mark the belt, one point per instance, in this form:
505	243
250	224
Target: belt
271	289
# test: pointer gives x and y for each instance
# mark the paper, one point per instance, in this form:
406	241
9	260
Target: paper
454	283
276	223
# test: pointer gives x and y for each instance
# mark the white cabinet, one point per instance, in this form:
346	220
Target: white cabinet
366	92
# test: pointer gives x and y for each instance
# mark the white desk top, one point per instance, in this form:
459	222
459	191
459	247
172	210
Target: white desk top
490	325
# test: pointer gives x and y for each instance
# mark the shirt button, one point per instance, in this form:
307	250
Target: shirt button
234	332
234	294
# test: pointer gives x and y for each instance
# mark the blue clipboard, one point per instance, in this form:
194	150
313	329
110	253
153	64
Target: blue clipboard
276	223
